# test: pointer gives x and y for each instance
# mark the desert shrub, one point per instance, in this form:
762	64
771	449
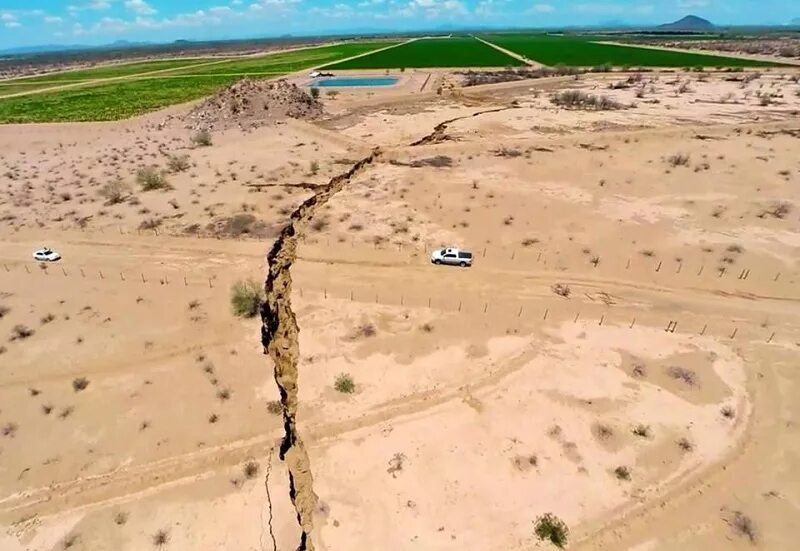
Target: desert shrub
79	384
246	298
562	290
150	178
4	310
678	159
313	167
115	191
344	383
314	91
202	138
241	224
641	430
150	224
549	527
728	412
743	526
160	538
685	444
178	163
687	376
120	518
21	332
9	430
224	394
274	407
622	473
250	469
778	209
577	99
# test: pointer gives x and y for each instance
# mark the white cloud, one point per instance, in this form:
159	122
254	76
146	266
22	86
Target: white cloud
53	19
140	7
613	9
690	4
13	25
543	8
6	17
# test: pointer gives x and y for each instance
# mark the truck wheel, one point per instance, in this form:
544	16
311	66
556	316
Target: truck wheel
437	262
463	264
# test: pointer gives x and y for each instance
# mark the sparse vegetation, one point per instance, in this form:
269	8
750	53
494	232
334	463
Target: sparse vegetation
202	138
250	469
549	527
344	383
728	412
21	332
246	298
150	178
685	444
120	518
161	538
9	430
743	526
687	376
314	91
577	99
178	163
561	289
622	473
80	384
678	159
274	407
642	431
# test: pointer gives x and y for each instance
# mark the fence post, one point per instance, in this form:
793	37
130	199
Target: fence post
703	332
633	321
777	276
520	312
658	268
769	340
602	317
701	269
546	311
735	329
122	276
26	268
82	273
576	317
101	274
459	305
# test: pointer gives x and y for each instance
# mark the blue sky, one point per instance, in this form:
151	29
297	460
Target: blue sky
27	22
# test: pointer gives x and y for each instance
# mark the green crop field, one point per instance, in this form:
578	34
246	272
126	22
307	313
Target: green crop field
111	71
582	52
432	52
141	90
113	101
287	62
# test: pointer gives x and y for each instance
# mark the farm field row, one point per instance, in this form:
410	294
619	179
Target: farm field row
433	52
584	52
142	90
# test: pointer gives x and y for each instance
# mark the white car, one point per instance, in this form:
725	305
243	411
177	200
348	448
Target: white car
452	256
46	255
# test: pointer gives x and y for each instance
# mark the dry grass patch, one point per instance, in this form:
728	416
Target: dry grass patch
246	298
549	527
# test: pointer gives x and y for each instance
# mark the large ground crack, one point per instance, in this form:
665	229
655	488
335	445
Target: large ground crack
279	333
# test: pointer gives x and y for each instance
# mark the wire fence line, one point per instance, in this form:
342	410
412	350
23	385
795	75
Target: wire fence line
516	256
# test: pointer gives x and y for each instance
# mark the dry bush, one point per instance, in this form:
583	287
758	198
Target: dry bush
160	538
250	469
213	418
246	298
577	99
549	527
685	444
743	526
344	383
9	430
507	152
778	209
687	376
4	310
150	223
178	163
80	383
202	138
561	289
239	225
21	332
527	242
224	394
728	412
622	473
151	178
602	431
274	407
642	431
115	191
438	161
678	159
313	168
426	328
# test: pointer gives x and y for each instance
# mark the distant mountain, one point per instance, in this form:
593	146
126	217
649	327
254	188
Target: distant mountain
688	23
43	49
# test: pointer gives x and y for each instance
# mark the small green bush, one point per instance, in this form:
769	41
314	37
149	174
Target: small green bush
551	528
344	383
246	298
314	92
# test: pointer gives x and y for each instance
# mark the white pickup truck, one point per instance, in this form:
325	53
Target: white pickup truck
452	257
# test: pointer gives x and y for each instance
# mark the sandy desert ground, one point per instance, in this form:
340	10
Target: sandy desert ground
622	354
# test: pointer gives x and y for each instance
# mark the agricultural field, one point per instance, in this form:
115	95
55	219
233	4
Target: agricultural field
583	52
137	88
433	52
107	102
